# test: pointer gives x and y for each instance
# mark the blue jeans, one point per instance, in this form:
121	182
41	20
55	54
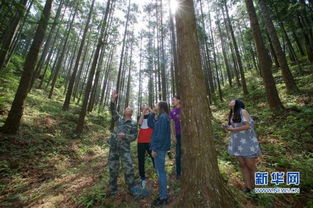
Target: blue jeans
159	162
178	156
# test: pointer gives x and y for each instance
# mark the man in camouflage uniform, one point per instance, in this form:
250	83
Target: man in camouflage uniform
125	132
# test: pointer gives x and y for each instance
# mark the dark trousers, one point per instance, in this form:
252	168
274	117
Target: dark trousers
142	149
178	156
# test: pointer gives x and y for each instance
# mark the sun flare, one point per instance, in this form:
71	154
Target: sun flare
174	6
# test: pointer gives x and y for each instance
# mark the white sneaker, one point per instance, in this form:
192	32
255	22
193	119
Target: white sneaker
143	183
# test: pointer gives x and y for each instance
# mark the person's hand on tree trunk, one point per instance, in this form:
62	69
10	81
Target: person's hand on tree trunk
174	139
225	127
154	154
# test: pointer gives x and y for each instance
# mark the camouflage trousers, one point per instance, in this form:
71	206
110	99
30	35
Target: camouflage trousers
115	156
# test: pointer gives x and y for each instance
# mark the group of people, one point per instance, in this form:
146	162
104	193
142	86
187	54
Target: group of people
157	126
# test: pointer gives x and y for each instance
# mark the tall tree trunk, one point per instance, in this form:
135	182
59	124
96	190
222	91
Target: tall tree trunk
122	53
163	73
202	182
96	83
215	62
242	75
69	92
10	33
287	76
129	74
140	77
208	60
289	45
47	45
272	51
308	44
16	37
295	37
51	53
224	53
174	50
83	112
70	65
235	65
106	79
12	122
61	58
80	70
265	61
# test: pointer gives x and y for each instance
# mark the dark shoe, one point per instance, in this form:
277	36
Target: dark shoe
246	190
139	192
159	202
111	193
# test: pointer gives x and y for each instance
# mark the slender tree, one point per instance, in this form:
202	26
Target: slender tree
224	53
69	92
100	42
62	55
123	49
12	122
281	58
47	44
11	32
163	72
264	59
242	75
174	52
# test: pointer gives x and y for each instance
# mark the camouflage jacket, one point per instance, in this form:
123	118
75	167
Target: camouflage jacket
129	128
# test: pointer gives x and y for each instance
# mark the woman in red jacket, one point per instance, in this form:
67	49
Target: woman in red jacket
143	145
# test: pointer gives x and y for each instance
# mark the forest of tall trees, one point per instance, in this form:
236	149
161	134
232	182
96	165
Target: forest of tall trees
61	59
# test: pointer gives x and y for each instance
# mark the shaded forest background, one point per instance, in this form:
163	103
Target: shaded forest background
59	61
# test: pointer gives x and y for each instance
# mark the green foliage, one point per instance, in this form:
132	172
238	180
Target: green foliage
15	65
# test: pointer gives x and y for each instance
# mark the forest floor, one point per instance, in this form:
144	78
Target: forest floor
47	165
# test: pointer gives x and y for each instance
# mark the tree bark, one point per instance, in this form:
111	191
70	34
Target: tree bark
215	62
122	52
61	57
12	122
281	57
224	53
163	73
129	75
202	183
241	71
9	35
69	92
174	52
235	65
100	42
264	59
47	45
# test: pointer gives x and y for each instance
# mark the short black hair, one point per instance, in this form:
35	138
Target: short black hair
177	97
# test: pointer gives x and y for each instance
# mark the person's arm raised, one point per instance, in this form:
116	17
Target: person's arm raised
142	116
151	120
113	110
